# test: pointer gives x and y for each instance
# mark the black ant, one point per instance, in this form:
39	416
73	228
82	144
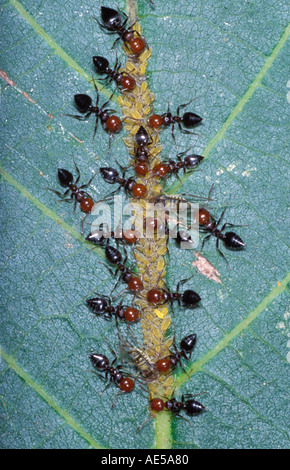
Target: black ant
100	237
141	152
160	296
167	119
102	364
170	362
187	404
114	256
103	306
170	167
111	124
208	224
114	23
123	80
66	179
190	406
111	175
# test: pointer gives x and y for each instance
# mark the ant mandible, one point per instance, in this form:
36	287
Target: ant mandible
188	120
170	362
170	167
66	179
103	306
114	23
111	124
161	296
114	256
123	80
111	175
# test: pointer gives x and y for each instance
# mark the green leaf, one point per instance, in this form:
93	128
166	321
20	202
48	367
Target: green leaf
231	56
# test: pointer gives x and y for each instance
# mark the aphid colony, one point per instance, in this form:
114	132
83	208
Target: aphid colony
116	22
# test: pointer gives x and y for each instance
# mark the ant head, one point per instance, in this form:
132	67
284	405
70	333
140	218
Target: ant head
111	18
101	64
141	137
99	361
191	119
110	175
233	241
189	297
83	103
65	177
188	343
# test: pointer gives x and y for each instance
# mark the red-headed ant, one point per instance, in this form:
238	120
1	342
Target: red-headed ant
115	22
170	167
208	224
66	179
125	383
122	80
111	175
110	124
167	119
114	256
170	362
161	296
103	306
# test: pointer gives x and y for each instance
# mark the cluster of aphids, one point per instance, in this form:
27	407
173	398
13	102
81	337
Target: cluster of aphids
116	22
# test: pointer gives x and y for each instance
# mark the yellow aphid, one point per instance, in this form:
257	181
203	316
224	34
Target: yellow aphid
166	324
161	313
144	87
160	264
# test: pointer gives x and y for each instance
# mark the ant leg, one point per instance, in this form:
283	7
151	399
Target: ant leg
203	242
97	91
107	386
82	223
112	351
184	105
116	396
173	136
105	104
77	169
111	272
88	183
219	221
115	42
56	192
78	116
116	283
96	127
102	26
232	225
182	282
99	375
221	253
141	425
182	417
